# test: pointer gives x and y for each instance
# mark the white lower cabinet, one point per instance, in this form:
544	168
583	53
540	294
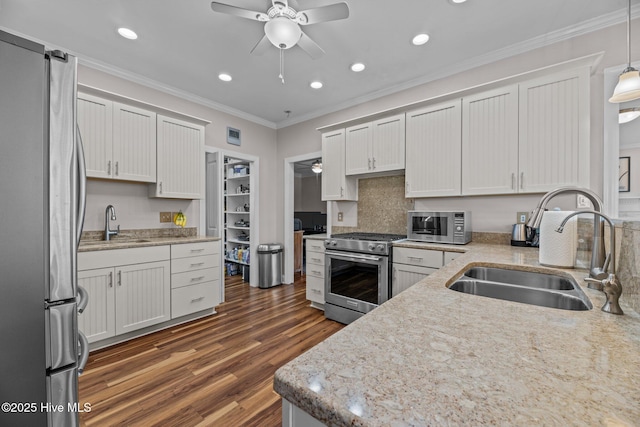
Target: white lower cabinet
315	272
195	277
129	289
410	265
292	416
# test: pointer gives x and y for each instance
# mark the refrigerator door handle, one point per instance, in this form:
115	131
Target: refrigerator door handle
83	299
83	355
82	184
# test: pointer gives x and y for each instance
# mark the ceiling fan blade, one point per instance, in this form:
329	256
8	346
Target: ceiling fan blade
262	46
331	12
309	46
237	11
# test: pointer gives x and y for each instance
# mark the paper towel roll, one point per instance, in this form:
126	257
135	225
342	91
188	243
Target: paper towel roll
558	249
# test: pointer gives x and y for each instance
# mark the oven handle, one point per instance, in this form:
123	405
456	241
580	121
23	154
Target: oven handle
351	257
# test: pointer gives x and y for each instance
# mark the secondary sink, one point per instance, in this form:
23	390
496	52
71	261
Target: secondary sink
542	289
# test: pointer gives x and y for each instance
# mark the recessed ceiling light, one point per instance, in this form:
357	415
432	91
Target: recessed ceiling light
420	39
127	33
224	77
458	1
316	85
357	67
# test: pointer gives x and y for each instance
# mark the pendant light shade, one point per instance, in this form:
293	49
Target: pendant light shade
317	167
628	87
628	114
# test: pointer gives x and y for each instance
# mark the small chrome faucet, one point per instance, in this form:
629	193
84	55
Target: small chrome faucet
597	266
110	211
610	285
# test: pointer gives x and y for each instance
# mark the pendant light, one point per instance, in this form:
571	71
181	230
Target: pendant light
628	87
628	114
316	167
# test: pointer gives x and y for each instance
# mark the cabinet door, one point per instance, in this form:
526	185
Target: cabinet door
134	143
97	321
143	295
180	173
554	132
388	144
404	276
433	151
95	120
357	153
335	186
490	142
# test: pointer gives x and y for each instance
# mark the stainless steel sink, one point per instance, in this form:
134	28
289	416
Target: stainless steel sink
546	290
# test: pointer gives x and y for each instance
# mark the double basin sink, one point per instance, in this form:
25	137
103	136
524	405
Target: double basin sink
542	289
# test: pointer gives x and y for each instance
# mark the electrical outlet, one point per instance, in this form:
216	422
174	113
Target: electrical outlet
165	216
522	217
582	202
340	216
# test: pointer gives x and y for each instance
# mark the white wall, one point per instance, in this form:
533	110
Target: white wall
132	205
494	213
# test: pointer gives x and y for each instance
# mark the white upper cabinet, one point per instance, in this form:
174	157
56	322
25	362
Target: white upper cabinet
490	142
119	140
433	150
377	146
335	185
554	132
180	173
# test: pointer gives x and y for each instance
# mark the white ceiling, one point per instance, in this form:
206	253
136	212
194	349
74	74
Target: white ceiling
183	45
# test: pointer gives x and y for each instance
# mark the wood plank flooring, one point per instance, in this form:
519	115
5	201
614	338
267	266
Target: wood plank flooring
216	371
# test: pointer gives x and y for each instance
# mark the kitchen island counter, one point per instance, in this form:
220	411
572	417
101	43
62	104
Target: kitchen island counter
433	356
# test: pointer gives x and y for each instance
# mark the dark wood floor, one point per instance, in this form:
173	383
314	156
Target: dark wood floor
216	371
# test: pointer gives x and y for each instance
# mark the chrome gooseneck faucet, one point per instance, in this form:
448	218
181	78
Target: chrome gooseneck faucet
110	211
597	268
610	285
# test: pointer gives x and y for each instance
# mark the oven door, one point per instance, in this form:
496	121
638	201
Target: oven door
354	281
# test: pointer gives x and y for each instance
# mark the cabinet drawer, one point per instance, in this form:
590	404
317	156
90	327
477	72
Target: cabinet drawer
315	258
418	257
194	249
190	299
181	265
315	270
315	245
195	277
315	289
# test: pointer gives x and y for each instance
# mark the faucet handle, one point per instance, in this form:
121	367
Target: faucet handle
596	284
612	289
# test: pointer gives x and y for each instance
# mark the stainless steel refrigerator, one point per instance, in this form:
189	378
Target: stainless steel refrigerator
41	214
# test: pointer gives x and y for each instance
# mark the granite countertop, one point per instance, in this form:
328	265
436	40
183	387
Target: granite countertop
432	356
93	241
315	236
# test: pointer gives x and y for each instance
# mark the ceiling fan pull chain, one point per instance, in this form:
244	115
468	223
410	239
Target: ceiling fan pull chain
281	76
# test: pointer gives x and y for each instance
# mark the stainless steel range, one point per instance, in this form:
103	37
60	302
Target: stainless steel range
357	274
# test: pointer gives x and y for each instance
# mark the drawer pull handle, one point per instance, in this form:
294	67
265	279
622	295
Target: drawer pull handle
195	264
316	260
193	279
197	299
111	279
316	272
317	291
415	258
197	250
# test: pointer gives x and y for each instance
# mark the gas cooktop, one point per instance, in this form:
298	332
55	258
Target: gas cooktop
374	237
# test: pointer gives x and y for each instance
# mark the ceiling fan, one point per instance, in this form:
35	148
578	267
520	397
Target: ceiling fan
282	23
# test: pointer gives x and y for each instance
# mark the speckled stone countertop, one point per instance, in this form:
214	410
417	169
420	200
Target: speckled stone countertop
315	236
92	240
432	356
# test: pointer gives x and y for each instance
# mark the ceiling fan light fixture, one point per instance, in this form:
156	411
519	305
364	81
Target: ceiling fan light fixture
357	67
317	167
420	39
224	77
628	114
628	87
282	32
316	84
127	33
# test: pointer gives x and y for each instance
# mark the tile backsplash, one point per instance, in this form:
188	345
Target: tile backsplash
382	207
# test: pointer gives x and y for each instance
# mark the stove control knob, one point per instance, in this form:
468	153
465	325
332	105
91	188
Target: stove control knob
380	248
372	247
334	243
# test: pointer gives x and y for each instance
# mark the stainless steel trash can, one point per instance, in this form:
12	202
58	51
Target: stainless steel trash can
269	264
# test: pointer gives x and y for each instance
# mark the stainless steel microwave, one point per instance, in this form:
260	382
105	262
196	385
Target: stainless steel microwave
439	227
